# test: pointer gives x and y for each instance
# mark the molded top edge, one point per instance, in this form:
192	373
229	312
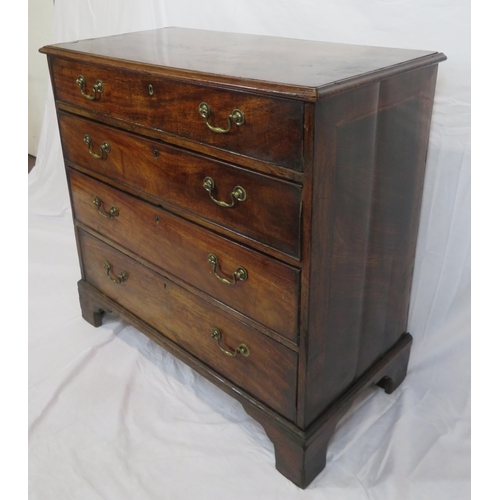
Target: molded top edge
300	69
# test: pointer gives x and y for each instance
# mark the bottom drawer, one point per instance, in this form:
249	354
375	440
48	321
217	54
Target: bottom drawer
257	364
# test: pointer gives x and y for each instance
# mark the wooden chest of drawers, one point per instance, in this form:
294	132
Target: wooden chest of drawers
252	205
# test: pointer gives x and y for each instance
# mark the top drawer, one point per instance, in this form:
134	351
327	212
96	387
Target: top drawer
265	128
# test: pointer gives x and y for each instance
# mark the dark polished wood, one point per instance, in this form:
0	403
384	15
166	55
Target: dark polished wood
95	301
332	162
271	131
269	372
369	169
300	455
184	142
270	293
301	69
270	213
92	311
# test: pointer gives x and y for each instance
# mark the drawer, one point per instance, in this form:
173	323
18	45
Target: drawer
269	211
272	128
269	370
268	292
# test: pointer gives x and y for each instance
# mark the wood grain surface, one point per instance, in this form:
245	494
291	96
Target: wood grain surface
331	156
300	69
270	293
370	151
269	372
271	131
270	213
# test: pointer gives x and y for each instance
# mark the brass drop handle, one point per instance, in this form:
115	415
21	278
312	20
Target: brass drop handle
237	194
103	148
240	274
119	279
237	117
97	87
112	212
241	349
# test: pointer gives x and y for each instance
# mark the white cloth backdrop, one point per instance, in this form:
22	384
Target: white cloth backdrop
112	416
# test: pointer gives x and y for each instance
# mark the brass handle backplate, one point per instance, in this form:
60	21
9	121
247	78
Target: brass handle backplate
241	349
97	87
237	194
237	117
112	212
240	274
104	148
119	279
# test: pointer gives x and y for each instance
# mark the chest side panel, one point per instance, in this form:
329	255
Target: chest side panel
369	164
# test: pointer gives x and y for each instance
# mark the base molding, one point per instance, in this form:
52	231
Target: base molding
300	454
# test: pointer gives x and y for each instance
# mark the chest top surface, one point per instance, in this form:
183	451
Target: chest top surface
300	66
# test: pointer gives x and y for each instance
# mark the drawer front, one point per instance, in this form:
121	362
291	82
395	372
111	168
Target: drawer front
272	129
269	212
268	372
267	291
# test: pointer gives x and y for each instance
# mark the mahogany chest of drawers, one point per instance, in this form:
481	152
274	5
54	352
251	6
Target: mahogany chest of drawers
252	205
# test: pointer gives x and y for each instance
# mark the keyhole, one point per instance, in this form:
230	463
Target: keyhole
156	154
164	286
157	219
150	89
